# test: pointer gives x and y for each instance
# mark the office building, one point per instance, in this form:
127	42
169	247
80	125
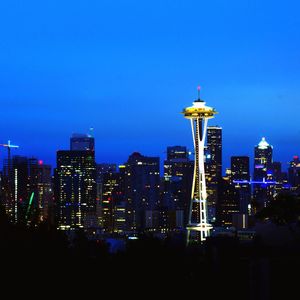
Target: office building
213	168
178	175
240	176
75	189
142	192
294	173
40	190
112	203
82	142
263	184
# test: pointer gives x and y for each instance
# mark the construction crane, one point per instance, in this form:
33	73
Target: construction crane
11	202
9	146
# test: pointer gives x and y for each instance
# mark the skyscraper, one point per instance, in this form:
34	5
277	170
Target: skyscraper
75	189
178	175
112	203
294	173
8	197
177	153
30	188
263	158
20	173
228	204
263	155
240	174
40	188
142	192
213	168
277	178
82	142
198	226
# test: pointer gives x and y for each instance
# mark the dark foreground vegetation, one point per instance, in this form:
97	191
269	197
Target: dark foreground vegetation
224	267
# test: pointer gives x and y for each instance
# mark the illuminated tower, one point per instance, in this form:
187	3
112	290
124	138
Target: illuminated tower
198	227
213	169
263	159
75	189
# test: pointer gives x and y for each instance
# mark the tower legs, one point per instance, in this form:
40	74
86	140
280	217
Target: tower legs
198	229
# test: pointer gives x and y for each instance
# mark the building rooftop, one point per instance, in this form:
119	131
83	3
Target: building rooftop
263	144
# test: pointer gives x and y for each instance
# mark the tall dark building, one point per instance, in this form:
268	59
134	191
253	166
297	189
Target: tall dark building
263	158
178	153
142	192
177	186
228	205
240	175
101	170
41	190
294	173
213	168
276	170
75	189
82	142
7	190
105	168
278	178
30	190
112	203
20	174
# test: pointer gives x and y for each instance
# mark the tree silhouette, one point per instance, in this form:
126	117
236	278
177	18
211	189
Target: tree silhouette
285	209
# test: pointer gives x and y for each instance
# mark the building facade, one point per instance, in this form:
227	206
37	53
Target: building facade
177	188
213	168
262	182
142	192
75	189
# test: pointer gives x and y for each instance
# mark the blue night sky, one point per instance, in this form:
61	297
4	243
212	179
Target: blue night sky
128	68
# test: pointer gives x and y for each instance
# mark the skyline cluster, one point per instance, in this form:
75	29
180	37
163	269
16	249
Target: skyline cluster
226	160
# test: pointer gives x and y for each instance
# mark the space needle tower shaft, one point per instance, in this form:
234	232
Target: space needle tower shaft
198	114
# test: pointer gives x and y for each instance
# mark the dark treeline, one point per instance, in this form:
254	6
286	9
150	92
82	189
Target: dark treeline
223	266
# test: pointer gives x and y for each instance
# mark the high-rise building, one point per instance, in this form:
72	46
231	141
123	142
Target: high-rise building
263	158
277	178
20	174
176	194
294	173
8	197
213	168
105	168
177	153
40	189
112	203
240	175
142	192
82	142
101	170
228	205
198	227
75	189
30	189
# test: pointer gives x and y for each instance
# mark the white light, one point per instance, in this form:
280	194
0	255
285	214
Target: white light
263	144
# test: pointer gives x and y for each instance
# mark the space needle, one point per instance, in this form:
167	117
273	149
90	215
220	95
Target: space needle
198	228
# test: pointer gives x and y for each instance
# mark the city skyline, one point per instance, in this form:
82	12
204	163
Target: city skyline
115	65
226	159
155	144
